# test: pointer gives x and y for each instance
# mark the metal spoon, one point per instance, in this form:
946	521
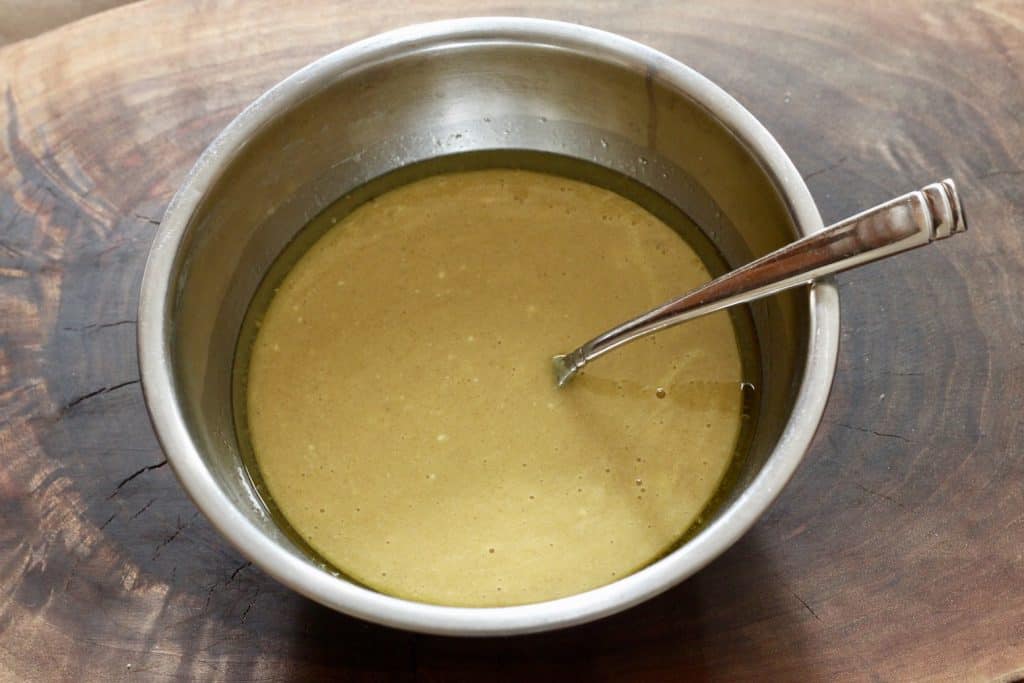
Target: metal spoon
907	222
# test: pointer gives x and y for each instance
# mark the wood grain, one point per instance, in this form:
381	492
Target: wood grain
897	552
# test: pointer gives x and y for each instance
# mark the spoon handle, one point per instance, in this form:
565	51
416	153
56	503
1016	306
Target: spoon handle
907	222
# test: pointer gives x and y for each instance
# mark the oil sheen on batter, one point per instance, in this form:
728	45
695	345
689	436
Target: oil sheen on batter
402	408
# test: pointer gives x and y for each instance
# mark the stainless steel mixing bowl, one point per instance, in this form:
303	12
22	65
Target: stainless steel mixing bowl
442	88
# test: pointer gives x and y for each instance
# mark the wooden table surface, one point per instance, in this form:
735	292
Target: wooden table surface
897	551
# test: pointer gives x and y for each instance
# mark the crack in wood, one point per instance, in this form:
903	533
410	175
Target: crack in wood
251	603
102	390
11	250
166	541
142	509
209	596
109	520
177	532
147	219
147	468
804	603
886	435
100	326
242	566
826	169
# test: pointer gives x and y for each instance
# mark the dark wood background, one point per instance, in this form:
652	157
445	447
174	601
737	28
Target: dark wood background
897	552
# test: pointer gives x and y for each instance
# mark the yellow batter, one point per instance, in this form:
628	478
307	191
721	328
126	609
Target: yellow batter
402	407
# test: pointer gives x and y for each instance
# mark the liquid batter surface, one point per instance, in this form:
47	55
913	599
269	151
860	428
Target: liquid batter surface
404	417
